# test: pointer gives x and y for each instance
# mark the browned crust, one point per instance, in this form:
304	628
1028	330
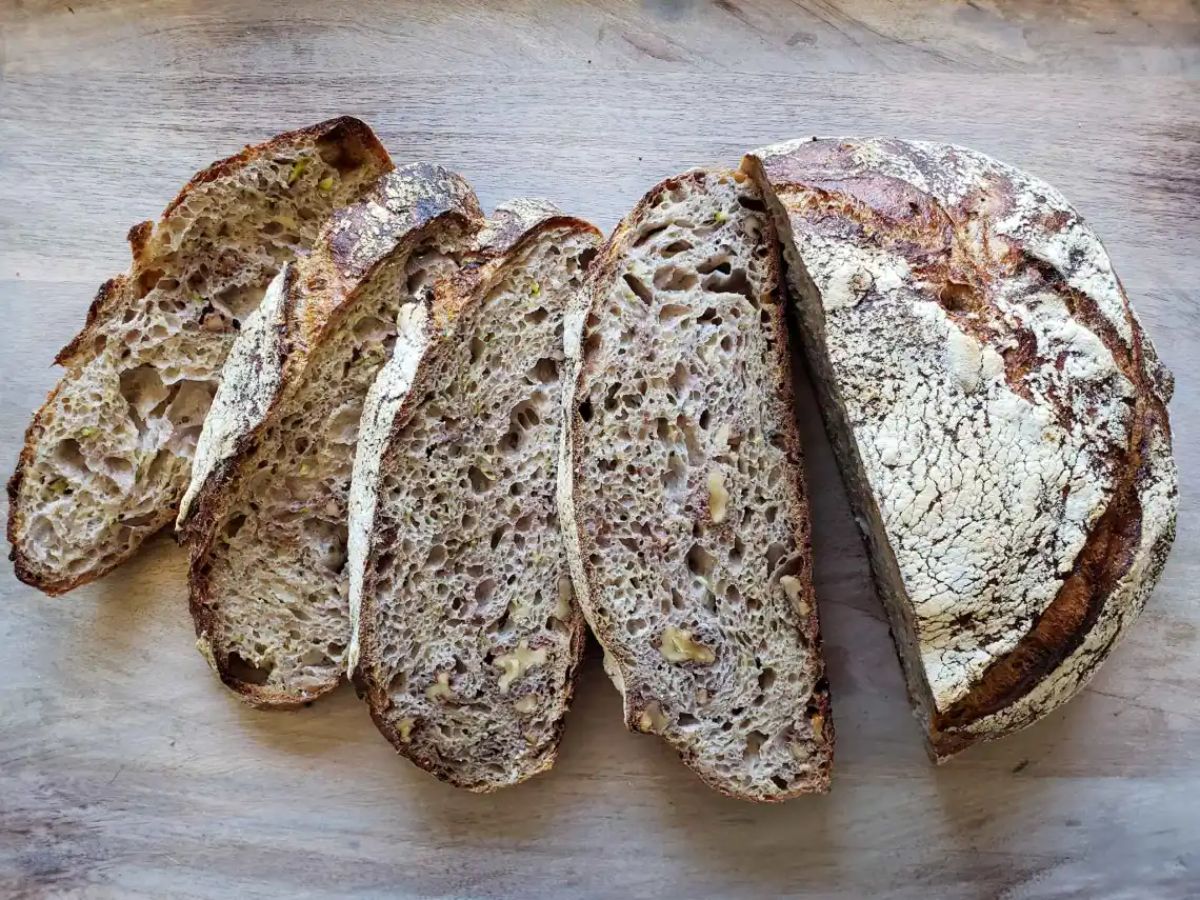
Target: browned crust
933	237
602	271
111	297
454	298
343	130
210	504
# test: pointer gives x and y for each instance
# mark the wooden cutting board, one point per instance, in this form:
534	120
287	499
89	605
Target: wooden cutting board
126	769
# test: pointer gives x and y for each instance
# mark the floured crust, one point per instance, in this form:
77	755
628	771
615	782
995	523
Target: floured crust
999	414
813	733
322	290
134	512
428	332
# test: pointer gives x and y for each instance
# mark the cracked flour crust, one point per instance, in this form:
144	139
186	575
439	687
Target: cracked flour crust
999	414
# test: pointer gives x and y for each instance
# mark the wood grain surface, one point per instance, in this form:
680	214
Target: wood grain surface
127	770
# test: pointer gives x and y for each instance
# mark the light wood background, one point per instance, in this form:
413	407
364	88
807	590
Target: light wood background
126	769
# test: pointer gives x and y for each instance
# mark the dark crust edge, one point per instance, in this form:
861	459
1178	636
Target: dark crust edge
460	295
211	502
603	270
1038	654
109	298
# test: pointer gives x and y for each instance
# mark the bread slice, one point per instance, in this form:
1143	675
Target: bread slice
999	415
682	494
107	456
267	525
460	591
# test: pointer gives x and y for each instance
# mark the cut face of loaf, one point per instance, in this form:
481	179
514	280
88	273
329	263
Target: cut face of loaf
267	527
999	415
469	636
107	457
682	493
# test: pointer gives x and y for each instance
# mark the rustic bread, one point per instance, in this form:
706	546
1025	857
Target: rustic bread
267	523
999	414
682	496
106	458
459	589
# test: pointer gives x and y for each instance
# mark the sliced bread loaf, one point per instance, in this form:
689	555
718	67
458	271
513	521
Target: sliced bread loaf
999	414
459	586
107	457
266	524
682	495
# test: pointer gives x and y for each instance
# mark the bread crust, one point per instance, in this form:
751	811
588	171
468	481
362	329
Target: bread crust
580	548
118	293
500	243
402	208
1033	315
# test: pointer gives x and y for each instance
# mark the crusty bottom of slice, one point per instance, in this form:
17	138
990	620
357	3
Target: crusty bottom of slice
687	498
470	638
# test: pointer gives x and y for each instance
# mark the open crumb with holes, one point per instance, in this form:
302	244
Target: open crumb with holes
682	492
469	635
107	457
267	524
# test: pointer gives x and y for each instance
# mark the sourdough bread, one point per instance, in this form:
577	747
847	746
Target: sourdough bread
266	525
999	414
459	589
682	495
106	458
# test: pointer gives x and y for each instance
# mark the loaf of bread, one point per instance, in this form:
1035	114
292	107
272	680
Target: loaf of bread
459	590
682	495
267	513
107	457
999	415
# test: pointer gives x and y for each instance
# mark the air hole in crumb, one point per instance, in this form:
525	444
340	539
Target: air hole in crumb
679	379
775	552
639	288
674	278
479	481
545	370
766	679
233	526
246	672
719	263
754	742
699	561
